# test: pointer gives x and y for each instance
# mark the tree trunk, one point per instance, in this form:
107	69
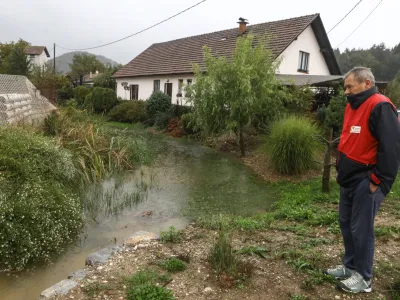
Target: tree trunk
326	176
241	142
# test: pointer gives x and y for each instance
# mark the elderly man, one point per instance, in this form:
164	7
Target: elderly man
367	164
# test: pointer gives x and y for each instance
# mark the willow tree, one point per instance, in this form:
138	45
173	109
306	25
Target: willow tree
238	90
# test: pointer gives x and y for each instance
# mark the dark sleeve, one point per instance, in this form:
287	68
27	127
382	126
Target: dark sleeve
385	127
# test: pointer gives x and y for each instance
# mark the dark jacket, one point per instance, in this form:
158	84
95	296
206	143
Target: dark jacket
384	126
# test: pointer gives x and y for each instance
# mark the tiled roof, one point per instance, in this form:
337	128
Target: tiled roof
36	50
178	56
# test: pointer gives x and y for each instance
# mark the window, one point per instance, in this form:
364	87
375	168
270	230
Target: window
304	58
168	89
156	86
134	92
180	87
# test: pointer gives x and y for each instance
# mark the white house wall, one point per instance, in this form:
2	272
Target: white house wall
38	60
146	86
306	42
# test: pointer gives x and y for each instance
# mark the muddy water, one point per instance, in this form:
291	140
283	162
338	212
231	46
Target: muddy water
187	180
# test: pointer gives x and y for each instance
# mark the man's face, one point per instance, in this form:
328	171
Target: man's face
352	86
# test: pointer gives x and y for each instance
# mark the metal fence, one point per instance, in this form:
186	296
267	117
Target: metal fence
20	101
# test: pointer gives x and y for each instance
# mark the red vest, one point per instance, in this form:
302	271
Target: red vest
356	140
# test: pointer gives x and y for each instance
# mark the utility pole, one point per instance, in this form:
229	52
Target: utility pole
54	59
54	72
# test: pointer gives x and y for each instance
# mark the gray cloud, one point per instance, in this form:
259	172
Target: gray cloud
80	24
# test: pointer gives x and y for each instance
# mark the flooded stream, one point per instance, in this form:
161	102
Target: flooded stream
186	181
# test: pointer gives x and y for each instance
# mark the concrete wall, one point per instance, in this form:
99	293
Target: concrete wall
146	86
306	42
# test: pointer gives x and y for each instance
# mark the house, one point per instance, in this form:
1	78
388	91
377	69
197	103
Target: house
38	55
301	43
88	78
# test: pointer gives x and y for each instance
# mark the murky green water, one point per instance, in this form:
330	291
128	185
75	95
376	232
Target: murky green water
186	180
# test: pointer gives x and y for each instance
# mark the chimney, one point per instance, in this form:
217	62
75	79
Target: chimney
242	25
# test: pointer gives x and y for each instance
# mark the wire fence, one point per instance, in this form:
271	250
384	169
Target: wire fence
21	102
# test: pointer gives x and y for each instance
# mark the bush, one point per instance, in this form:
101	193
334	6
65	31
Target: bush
65	94
157	103
149	291
129	112
161	119
80	93
173	265
39	212
100	100
222	258
171	235
292	146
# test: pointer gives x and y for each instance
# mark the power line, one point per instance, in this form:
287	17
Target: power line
345	16
360	24
136	33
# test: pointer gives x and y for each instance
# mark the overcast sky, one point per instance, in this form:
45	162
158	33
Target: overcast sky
86	23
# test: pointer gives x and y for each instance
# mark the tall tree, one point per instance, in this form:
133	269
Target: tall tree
384	62
13	59
83	64
394	90
234	91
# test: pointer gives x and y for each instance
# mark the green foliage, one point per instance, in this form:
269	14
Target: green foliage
64	94
234	93
222	258
80	93
100	100
299	99
172	235
105	79
83	64
384	62
13	59
156	104
39	210
129	112
251	250
173	265
393	90
149	291
292	146
161	119
335	111
98	151
147	276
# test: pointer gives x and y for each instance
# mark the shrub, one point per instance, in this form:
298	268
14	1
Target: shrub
335	111
147	276
171	235
222	258
80	93
292	146
65	94
129	112
39	212
157	103
173	265
100	100
161	119
149	291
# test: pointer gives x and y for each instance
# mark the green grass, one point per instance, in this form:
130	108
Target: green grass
147	276
292	145
173	265
172	235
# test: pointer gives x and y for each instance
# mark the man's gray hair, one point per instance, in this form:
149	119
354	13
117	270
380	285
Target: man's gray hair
361	74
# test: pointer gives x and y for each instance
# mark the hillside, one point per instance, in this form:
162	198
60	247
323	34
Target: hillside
63	61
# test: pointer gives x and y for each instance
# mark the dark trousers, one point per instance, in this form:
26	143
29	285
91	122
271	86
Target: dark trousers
357	210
